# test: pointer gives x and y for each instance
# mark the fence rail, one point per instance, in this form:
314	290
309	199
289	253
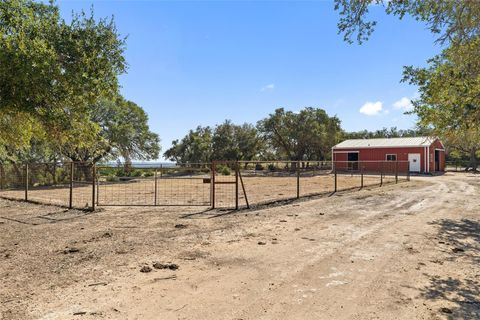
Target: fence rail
220	184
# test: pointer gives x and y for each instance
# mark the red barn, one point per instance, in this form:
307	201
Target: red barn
424	154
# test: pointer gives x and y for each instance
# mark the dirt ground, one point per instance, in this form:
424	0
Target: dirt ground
406	251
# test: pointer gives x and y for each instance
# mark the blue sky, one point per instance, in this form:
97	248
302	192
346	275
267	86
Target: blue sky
201	62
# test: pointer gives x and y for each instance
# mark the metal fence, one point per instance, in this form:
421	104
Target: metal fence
180	185
220	184
65	184
457	165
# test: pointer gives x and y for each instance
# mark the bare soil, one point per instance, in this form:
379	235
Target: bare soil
406	251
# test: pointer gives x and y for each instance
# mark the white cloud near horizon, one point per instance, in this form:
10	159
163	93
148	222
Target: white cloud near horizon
403	104
268	87
371	108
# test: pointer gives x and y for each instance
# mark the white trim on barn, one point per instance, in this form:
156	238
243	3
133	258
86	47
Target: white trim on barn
386	143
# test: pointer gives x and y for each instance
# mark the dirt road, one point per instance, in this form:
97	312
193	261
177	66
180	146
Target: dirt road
407	251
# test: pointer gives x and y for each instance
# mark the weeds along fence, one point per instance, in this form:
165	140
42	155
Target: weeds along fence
220	184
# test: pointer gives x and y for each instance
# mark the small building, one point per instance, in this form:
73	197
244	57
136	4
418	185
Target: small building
424	154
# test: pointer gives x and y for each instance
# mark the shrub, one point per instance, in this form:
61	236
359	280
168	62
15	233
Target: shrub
148	173
136	173
113	179
259	167
224	170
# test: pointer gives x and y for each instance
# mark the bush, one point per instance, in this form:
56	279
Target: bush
259	167
113	179
224	170
136	173
148	173
271	167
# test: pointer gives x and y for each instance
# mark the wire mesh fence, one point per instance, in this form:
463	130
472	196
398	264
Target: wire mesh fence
457	165
220	184
156	185
63	184
271	181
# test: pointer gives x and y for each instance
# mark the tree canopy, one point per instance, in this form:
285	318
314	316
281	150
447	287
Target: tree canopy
123	132
449	19
195	147
59	88
449	101
305	135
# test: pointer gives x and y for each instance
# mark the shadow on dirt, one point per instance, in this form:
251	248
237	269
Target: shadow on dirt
48	218
463	240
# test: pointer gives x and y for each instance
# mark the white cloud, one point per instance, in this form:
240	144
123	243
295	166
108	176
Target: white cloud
404	104
371	108
268	87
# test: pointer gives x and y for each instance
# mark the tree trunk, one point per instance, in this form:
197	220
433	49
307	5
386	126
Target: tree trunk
473	161
86	170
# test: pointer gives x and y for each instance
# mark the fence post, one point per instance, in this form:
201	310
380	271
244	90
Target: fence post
381	173
94	177
298	180
237	169
1	176
26	182
212	184
361	176
396	171
335	171
243	188
98	191
155	191
70	200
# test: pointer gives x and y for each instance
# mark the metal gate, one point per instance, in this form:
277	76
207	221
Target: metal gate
150	185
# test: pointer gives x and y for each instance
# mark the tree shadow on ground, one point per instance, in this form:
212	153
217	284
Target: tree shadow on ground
462	241
49	218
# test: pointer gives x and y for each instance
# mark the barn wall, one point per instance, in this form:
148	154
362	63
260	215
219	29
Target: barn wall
379	154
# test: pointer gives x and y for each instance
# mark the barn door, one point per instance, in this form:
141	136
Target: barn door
353	160
414	162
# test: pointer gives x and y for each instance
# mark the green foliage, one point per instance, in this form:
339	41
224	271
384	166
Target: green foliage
307	135
52	72
124	125
224	170
236	142
449	100
195	147
387	133
226	141
47	64
449	19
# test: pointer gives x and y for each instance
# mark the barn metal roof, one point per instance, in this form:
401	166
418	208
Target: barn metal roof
386	143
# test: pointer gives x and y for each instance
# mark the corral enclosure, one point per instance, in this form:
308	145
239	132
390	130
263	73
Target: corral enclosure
222	184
